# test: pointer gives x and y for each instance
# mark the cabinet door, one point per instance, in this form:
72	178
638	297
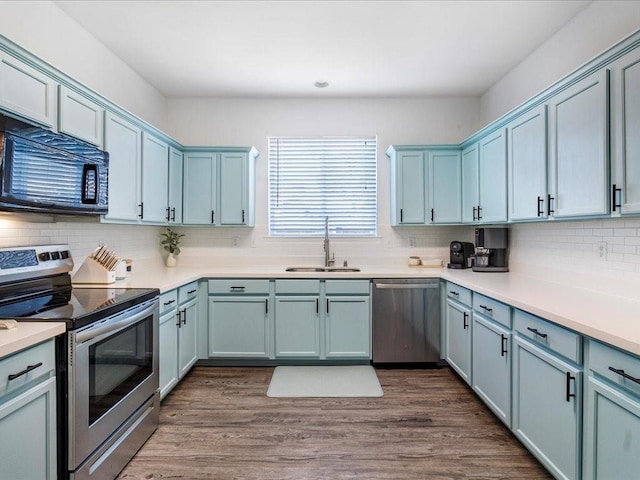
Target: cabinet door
470	184
297	327
168	345
187	337
458	339
27	92
28	434
611	438
233	190
155	179
493	177
239	327
625	125
527	162
347	326
578	136
445	187
175	186
492	366
199	187
123	141
547	404
410	188
80	117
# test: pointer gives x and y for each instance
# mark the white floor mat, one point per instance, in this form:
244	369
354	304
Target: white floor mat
318	381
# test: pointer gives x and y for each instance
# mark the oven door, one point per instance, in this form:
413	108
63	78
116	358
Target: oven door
113	370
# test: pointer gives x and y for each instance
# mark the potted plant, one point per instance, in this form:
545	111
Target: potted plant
171	243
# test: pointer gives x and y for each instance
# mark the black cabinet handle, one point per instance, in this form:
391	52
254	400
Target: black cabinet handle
184	316
474	214
614	197
486	309
535	330
503	344
569	394
213	216
266	306
243	216
453	293
178	317
237	289
479	211
400	215
625	375
194	291
432	214
549	200
29	368
173	214
465	324
168	303
327	306
540	206
168	214
141	205
317	306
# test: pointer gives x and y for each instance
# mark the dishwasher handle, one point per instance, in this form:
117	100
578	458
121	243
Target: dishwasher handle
398	286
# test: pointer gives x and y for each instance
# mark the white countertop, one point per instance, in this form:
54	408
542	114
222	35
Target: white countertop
611	319
27	334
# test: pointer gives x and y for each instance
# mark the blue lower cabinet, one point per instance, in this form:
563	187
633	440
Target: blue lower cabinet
347	327
458	338
612	415
491	366
547	408
297	323
168	341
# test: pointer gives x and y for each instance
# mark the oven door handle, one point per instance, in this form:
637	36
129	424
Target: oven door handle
111	325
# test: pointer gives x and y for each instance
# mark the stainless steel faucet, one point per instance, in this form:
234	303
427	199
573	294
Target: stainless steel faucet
328	262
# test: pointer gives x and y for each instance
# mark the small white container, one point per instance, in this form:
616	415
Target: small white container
414	261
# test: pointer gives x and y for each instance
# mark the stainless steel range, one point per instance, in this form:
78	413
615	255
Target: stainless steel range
107	362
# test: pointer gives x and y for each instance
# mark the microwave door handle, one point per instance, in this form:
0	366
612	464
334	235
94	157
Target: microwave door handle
98	331
90	184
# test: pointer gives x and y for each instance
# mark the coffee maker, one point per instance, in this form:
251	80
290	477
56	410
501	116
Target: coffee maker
492	253
461	254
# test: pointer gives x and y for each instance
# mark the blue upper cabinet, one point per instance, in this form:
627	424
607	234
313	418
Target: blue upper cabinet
625	141
236	186
527	165
27	92
445	186
579	148
155	180
80	117
493	177
408	179
174	209
470	184
199	188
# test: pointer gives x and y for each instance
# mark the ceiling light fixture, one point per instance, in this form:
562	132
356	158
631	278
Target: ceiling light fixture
321	84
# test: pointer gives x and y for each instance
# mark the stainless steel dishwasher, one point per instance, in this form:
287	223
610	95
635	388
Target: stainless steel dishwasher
406	320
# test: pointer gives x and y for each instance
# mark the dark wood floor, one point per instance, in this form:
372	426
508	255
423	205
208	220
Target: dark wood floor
219	424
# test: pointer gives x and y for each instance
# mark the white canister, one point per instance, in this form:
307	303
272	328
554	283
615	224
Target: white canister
121	270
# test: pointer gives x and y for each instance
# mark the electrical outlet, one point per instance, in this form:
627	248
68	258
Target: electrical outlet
412	242
602	250
234	241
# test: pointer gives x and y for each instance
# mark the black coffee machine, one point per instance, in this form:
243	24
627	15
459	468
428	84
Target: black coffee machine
461	254
492	254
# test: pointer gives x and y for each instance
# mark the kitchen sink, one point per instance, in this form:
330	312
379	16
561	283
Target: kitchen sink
322	269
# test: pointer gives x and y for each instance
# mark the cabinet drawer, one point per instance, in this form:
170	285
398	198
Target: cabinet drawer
298	286
239	286
602	358
493	309
20	361
347	287
168	301
187	292
461	294
555	338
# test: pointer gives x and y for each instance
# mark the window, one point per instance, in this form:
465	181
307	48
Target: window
314	178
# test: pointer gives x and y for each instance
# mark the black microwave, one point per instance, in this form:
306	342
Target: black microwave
46	172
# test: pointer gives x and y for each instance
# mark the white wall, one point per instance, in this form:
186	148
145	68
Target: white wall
46	31
595	29
250	121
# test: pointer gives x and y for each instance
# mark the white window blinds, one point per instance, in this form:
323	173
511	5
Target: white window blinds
314	178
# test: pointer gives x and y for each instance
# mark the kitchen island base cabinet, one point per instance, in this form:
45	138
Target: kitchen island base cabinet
547	408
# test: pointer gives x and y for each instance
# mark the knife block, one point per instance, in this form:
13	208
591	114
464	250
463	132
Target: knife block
92	272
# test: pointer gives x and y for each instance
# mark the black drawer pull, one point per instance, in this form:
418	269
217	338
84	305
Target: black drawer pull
168	303
535	330
192	291
625	375
503	344
569	394
237	289
13	376
453	293
486	309
465	324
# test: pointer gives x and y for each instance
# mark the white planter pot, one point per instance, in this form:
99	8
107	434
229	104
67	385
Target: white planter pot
171	260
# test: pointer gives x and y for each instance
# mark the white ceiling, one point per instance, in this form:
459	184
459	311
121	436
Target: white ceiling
362	48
